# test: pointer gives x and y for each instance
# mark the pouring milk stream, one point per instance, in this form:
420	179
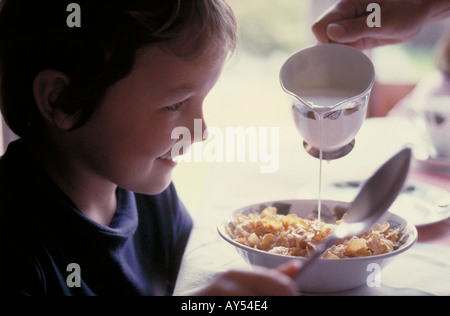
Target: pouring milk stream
329	85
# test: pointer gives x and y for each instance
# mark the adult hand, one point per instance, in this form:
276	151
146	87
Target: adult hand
346	21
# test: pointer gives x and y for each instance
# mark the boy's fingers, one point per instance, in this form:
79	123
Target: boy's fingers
291	268
261	282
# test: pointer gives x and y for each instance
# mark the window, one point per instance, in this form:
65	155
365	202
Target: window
6	136
249	90
410	61
1	138
270	32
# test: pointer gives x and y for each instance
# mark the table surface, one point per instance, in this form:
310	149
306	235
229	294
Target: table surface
215	189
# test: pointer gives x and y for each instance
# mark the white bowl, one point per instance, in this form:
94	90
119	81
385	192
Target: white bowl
327	275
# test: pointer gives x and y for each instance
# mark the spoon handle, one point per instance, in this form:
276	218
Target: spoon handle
318	252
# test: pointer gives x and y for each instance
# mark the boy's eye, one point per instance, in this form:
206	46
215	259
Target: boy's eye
175	107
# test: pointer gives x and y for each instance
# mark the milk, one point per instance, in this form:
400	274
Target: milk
327	128
339	125
324	76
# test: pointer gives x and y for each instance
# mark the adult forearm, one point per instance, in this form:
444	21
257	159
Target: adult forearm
437	9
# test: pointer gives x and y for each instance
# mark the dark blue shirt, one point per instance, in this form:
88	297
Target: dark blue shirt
42	233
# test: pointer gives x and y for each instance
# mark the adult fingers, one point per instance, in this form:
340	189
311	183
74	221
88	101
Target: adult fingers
345	18
319	28
351	30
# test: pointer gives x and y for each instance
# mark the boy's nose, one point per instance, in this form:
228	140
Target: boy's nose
200	130
205	134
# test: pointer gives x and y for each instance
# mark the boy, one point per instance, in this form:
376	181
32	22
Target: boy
88	183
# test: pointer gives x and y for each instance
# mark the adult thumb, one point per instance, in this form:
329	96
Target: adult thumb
348	31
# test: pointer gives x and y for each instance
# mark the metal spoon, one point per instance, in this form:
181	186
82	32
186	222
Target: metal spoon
375	197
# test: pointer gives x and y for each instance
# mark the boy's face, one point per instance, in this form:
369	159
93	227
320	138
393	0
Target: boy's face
127	141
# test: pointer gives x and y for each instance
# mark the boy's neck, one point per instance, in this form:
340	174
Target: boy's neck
93	195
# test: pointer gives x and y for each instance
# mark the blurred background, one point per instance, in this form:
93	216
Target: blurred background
269	32
249	93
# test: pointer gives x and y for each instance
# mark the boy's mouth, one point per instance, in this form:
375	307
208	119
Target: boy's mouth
172	161
167	157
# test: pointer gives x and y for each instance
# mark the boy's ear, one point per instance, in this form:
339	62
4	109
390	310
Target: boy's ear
47	87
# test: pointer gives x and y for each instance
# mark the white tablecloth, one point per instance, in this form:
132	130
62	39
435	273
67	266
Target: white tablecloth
221	188
422	270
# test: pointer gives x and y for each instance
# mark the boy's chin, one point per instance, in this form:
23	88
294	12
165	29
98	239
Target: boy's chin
154	187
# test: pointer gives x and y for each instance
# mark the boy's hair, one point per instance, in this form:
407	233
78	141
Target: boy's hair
34	35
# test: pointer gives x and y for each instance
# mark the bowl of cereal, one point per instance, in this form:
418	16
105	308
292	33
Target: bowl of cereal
272	233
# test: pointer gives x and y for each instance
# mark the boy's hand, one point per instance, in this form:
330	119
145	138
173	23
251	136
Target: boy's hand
259	282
